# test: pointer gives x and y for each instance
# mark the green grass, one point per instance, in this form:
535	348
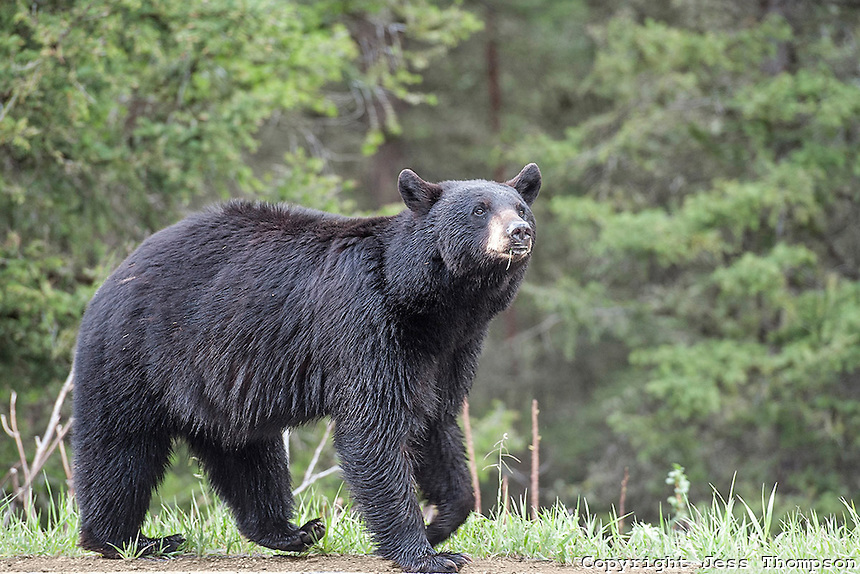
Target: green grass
728	529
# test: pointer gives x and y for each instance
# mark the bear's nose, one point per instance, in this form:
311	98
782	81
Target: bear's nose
520	231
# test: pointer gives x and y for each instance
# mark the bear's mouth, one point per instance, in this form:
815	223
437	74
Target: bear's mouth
520	249
517	251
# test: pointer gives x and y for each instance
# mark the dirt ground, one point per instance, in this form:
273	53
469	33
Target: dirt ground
318	564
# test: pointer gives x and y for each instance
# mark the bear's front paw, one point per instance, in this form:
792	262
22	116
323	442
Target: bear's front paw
440	562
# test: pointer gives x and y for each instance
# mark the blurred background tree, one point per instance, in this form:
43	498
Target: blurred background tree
708	220
694	298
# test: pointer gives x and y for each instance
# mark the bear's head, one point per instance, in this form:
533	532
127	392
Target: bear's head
477	225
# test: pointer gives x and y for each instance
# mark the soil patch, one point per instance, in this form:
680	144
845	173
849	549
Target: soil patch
318	564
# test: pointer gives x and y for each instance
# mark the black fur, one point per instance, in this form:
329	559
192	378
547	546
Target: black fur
247	319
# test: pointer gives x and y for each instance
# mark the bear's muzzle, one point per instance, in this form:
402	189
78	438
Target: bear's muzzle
509	235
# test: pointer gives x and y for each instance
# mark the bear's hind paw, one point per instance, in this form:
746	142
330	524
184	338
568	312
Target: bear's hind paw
137	548
306	536
312	531
459	559
160	546
439	562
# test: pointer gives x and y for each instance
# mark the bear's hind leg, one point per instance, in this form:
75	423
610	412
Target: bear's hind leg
114	480
254	481
443	477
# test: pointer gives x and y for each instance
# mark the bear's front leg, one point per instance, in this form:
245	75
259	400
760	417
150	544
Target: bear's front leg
377	468
443	477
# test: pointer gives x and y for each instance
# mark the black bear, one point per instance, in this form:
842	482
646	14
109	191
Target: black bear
239	322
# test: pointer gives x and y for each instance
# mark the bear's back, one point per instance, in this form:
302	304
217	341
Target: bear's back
283	217
230	300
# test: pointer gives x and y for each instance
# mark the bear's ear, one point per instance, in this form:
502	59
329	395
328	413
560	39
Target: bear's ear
418	195
527	182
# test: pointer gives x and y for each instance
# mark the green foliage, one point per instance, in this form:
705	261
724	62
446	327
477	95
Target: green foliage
136	107
39	311
678	502
711	204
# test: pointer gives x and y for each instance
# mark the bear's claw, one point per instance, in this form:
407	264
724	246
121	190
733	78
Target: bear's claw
312	531
306	536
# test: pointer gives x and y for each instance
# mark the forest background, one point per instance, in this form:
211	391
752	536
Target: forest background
695	295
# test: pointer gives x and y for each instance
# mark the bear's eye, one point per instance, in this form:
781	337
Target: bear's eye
479	210
521	211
